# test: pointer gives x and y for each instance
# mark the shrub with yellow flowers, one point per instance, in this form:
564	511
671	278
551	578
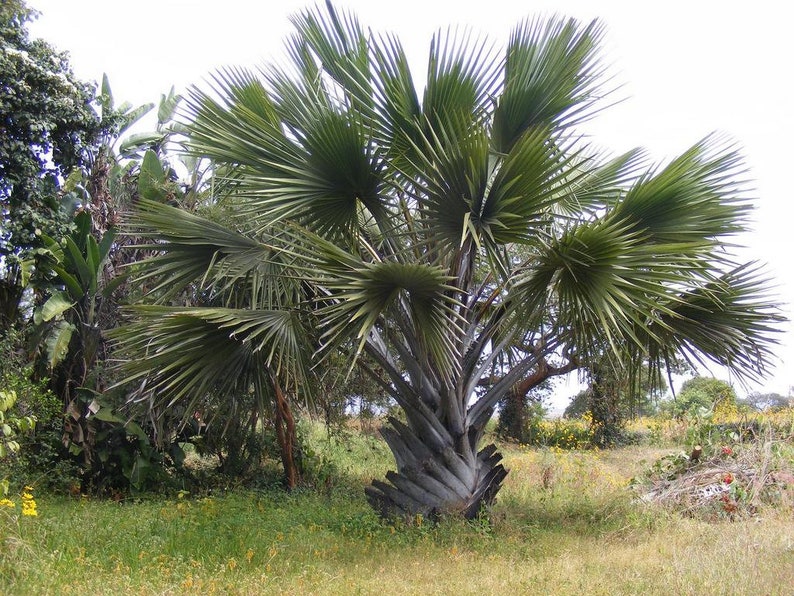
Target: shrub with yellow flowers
28	506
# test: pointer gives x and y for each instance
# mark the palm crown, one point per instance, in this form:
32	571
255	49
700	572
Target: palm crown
452	236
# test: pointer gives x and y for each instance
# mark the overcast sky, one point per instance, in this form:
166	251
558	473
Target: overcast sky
687	68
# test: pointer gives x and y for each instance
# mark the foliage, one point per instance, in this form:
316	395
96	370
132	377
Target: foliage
617	394
123	458
48	123
579	405
32	403
541	539
703	394
72	271
465	240
233	431
11	425
346	395
519	414
79	281
54	161
68	325
562	433
766	401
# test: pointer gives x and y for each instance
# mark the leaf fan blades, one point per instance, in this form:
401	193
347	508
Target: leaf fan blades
187	248
360	296
551	76
184	353
293	156
697	201
729	319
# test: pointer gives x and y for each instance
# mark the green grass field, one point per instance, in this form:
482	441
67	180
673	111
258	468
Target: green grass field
565	523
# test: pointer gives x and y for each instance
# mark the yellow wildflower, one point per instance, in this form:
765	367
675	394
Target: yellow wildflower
29	508
28	502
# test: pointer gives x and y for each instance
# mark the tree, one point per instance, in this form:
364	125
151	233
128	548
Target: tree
616	393
705	393
579	406
517	411
767	401
463	236
46	122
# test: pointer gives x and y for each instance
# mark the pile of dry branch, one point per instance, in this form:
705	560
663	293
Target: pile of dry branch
723	482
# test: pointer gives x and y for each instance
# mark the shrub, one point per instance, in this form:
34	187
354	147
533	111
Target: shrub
703	394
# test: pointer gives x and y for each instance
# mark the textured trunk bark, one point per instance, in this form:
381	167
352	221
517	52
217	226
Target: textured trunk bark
436	477
285	433
605	409
513	415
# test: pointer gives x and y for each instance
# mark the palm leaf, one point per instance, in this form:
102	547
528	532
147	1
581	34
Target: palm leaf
184	353
597	186
338	41
190	248
359	295
398	125
551	76
730	319
317	175
698	199
461	82
599	282
526	187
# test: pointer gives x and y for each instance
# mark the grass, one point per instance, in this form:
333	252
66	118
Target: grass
565	523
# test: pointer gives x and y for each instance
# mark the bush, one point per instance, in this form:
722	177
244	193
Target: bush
561	433
700	394
40	457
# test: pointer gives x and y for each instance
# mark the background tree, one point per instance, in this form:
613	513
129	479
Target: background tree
762	402
517	411
616	394
706	393
403	216
46	122
579	405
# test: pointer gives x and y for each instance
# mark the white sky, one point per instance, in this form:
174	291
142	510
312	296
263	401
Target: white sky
687	68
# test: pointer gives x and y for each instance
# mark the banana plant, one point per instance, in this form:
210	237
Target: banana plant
69	323
165	172
74	269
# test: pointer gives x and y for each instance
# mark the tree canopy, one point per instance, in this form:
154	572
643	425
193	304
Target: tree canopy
46	120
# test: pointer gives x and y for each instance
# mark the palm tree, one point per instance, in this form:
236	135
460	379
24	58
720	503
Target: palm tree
466	240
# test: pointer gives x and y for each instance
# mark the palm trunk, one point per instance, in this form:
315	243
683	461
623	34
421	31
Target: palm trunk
437	474
440	468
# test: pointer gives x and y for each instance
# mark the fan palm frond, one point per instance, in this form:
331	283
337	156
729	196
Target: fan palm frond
551	76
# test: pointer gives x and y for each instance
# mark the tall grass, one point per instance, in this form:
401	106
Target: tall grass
565	523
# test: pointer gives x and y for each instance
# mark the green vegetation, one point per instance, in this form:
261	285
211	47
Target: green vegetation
703	394
47	123
547	533
180	308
